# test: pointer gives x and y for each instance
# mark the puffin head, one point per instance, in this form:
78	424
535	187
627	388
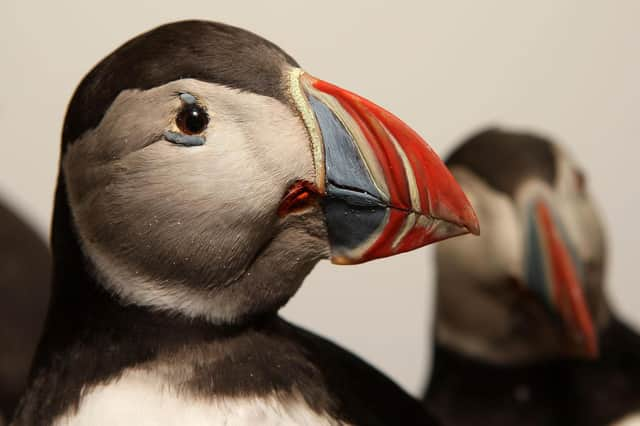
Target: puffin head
530	287
204	173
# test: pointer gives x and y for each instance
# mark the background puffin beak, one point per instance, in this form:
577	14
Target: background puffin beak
554	273
385	190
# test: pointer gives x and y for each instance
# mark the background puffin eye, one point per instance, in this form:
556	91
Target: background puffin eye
192	119
580	180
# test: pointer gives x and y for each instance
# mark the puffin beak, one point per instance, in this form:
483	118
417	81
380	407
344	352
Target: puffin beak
384	191
553	272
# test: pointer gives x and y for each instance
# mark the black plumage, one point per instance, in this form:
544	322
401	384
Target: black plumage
268	355
25	271
505	159
466	391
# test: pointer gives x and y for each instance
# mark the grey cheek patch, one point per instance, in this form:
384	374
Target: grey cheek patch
187	98
186	140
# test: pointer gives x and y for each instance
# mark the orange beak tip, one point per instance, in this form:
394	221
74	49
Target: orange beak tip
592	347
342	260
473	225
465	222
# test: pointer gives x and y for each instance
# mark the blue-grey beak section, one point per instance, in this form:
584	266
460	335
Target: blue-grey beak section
353	206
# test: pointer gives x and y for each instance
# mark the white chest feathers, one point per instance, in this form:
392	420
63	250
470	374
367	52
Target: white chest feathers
141	399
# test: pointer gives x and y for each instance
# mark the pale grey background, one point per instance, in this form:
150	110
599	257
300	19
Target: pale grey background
447	68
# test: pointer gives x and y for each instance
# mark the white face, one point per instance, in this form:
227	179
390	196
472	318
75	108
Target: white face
183	227
483	307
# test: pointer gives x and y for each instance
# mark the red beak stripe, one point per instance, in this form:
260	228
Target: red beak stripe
567	291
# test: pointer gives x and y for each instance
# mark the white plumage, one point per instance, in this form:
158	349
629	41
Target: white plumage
144	399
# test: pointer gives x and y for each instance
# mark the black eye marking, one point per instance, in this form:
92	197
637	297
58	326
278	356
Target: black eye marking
186	140
580	180
187	98
191	120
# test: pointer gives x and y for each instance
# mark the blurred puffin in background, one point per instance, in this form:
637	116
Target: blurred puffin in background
25	272
524	333
203	174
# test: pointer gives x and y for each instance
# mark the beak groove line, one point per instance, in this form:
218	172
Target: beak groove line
310	124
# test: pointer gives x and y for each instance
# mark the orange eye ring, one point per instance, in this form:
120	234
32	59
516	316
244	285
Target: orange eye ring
299	197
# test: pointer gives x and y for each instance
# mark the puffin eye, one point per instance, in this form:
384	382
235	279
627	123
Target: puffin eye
580	181
192	119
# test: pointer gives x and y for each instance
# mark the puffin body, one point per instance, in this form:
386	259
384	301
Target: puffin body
25	274
171	372
203	174
465	390
536	343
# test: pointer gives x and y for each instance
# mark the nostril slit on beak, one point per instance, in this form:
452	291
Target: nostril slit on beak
354	196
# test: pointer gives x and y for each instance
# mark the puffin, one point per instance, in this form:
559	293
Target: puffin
524	334
202	175
25	275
